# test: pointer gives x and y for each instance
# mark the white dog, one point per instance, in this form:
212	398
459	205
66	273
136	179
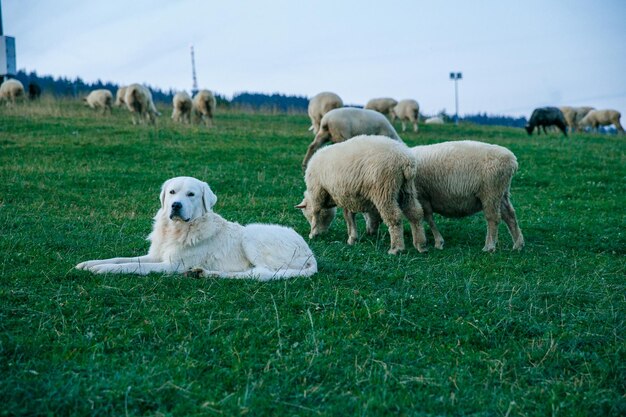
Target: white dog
188	236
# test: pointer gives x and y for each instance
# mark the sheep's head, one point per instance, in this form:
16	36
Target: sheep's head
319	220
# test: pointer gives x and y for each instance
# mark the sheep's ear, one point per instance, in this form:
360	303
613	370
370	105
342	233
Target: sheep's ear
302	205
163	188
208	197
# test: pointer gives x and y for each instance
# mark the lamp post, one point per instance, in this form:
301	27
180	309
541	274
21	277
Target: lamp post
456	76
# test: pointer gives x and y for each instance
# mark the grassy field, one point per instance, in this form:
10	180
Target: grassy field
453	332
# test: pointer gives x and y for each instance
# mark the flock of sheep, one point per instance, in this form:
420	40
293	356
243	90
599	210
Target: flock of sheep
572	118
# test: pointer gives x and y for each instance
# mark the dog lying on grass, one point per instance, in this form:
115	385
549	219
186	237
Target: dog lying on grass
188	237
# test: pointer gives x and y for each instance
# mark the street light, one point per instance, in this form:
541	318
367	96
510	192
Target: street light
456	76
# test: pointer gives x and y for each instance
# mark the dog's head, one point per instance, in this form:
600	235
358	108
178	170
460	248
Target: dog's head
186	198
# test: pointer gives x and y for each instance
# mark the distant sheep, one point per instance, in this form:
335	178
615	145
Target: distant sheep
100	99
458	179
370	174
573	115
120	97
406	110
434	121
34	91
182	108
11	91
204	105
597	118
546	116
138	100
321	104
382	105
340	124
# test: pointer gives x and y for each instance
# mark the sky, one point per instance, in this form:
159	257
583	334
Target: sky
514	55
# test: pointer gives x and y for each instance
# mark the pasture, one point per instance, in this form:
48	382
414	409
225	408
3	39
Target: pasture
453	332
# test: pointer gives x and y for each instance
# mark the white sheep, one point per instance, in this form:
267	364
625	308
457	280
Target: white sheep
11	90
597	118
381	105
406	110
369	174
573	115
100	99
436	120
321	104
204	105
340	124
182	107
457	179
138	100
120	97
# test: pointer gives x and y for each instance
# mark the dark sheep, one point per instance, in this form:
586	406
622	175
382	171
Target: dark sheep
546	116
34	91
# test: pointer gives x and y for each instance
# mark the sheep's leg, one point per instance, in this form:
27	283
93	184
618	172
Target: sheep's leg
491	209
351	224
415	126
392	217
618	126
414	212
428	215
372	221
509	217
403	126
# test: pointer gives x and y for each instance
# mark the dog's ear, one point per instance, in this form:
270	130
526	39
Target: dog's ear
302	205
208	197
163	188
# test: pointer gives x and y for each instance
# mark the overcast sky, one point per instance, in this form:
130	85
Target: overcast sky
514	55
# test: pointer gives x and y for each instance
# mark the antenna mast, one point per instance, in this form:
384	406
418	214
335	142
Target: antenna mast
194	87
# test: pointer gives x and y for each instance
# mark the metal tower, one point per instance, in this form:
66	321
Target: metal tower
194	87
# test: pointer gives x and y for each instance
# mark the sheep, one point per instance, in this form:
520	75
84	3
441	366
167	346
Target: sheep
458	179
34	91
406	110
182	108
381	105
120	96
340	124
573	115
11	90
597	118
204	105
370	174
546	116
436	120
321	104
99	99
138	100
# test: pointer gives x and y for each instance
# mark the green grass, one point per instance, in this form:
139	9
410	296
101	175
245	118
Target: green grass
452	332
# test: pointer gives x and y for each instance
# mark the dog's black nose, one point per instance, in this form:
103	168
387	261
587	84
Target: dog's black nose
177	205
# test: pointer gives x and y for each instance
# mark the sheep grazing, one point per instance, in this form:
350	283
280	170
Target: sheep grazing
204	105
434	121
100	99
597	118
321	104
120	97
340	124
34	91
573	115
370	174
546	116
406	110
11	91
138	100
381	105
182	108
458	179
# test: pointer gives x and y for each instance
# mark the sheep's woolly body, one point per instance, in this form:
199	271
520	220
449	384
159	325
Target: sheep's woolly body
457	179
100	99
11	90
120	97
406	110
340	124
607	117
371	174
382	105
321	104
573	115
182	107
204	105
138	100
